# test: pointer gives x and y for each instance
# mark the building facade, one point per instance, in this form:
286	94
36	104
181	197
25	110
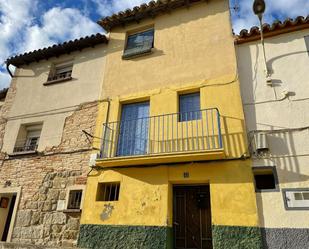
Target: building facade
51	104
173	168
277	123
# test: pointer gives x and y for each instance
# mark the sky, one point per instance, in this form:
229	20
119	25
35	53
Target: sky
26	25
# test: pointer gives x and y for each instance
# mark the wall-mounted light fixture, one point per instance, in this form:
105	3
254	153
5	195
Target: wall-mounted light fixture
259	7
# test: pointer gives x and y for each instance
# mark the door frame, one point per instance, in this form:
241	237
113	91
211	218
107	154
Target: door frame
173	200
17	191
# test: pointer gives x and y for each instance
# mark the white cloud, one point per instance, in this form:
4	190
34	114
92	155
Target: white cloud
275	9
59	25
108	7
21	31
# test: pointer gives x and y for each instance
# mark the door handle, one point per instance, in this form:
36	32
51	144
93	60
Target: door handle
175	223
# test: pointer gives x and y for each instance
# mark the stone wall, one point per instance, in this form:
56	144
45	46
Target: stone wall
26	246
44	178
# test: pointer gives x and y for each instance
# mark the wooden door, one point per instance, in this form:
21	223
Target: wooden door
192	217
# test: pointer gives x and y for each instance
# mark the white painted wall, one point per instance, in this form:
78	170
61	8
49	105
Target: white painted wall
288	61
51	104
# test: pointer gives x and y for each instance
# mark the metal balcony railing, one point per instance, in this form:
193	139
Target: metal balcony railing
60	76
169	133
25	148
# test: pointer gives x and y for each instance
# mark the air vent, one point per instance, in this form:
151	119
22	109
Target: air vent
261	144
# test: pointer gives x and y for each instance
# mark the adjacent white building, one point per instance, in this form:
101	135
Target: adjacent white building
277	119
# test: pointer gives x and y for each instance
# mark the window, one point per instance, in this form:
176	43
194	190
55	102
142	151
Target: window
266	179
133	135
297	199
28	138
75	199
61	72
139	43
189	107
108	191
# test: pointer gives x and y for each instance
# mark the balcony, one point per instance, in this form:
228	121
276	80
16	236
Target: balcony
168	138
25	149
59	77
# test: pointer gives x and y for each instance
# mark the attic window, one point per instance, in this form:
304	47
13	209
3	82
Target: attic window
139	43
61	72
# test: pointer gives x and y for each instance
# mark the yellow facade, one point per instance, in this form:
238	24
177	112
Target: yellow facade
193	51
146	196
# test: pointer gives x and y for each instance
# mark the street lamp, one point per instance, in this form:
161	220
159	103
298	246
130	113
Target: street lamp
259	7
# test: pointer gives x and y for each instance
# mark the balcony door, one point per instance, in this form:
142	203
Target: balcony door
133	130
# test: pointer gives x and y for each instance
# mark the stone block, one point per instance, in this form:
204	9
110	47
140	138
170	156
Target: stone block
73	224
56	228
31	205
23	218
47	206
48	218
42	197
35	219
70	235
62	195
53	194
68	243
59	218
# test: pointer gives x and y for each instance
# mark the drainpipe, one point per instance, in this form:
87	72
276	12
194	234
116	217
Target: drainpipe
106	120
8	69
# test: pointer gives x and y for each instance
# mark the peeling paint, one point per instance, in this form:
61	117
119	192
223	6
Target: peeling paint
107	211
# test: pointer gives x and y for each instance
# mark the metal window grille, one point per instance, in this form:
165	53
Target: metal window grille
108	191
75	199
61	72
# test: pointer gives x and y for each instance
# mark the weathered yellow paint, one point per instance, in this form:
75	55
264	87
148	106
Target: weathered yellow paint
146	193
194	50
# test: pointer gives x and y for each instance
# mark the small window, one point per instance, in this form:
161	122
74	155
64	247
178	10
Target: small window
108	191
28	138
265	179
297	199
189	107
139	43
61	72
75	199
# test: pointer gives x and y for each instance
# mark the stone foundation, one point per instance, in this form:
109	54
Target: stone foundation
234	237
126	237
285	238
25	246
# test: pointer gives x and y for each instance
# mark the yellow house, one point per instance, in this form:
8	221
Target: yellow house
173	168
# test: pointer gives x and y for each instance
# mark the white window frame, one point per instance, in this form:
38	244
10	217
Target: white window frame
290	203
62	205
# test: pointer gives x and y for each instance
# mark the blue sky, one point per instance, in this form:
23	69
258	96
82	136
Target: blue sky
26	25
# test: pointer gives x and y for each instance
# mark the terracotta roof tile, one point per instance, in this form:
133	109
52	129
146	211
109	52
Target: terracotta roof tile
289	25
57	49
137	13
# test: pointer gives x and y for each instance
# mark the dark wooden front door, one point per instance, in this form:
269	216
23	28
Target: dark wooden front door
192	217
